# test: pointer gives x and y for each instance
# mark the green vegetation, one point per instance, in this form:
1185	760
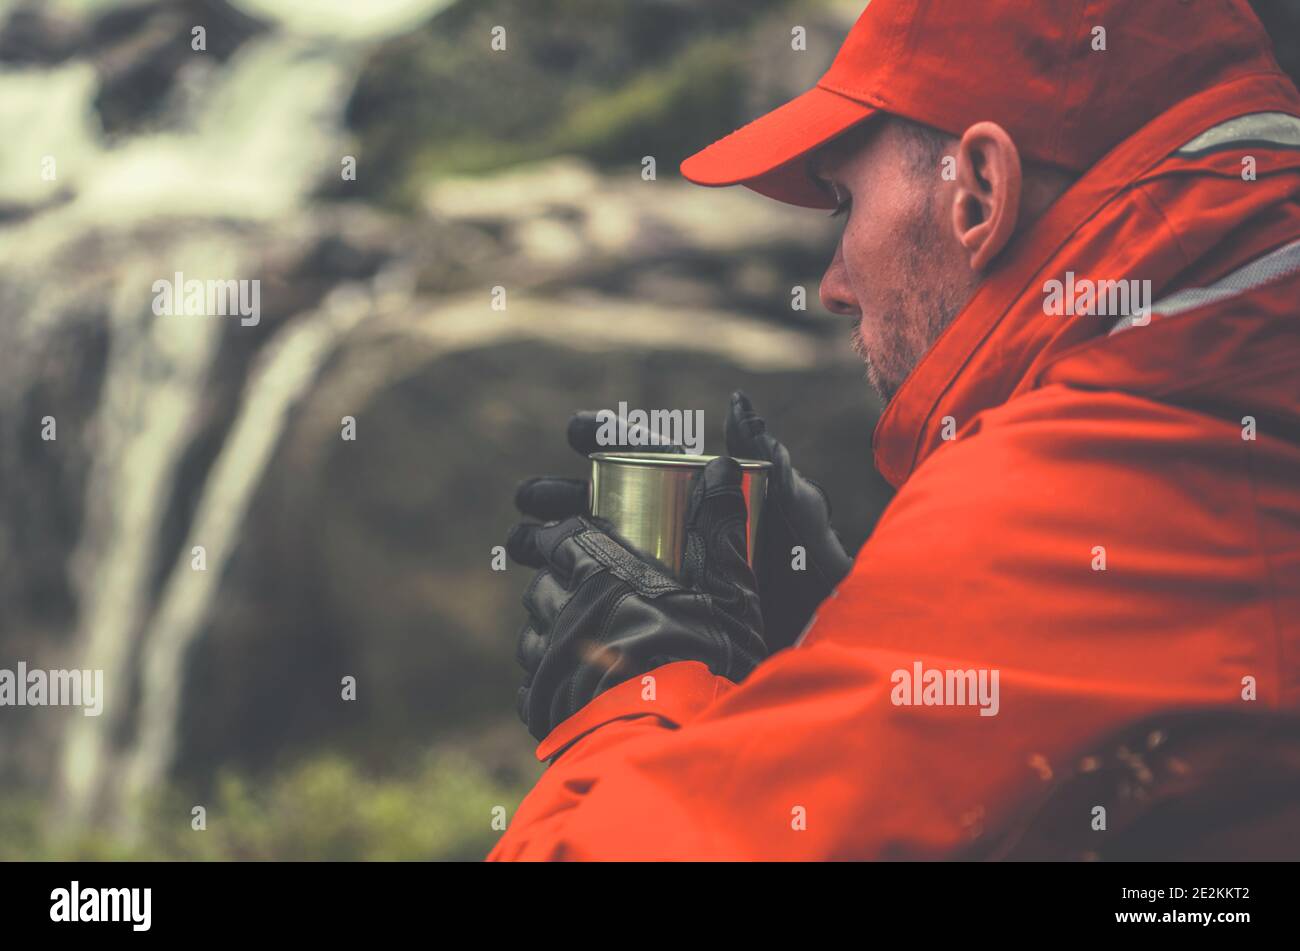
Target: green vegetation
607	82
323	809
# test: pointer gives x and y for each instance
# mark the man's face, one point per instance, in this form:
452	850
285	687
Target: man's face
899	272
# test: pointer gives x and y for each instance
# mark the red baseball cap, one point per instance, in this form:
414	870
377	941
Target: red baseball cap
1068	79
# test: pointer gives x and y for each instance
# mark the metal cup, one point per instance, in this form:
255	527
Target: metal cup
645	496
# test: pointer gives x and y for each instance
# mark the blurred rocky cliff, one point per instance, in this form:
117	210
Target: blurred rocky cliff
130	155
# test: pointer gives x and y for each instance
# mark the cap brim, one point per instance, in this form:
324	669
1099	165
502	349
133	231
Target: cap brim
770	154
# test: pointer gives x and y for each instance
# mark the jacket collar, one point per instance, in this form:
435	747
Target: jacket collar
1101	227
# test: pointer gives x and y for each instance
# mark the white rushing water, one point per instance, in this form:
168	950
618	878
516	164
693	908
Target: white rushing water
245	141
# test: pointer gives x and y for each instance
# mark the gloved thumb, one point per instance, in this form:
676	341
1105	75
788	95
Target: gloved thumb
748	438
746	431
715	559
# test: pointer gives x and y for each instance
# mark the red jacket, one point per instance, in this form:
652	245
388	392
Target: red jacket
1072	444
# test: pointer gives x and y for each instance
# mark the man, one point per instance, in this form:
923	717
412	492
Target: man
1071	251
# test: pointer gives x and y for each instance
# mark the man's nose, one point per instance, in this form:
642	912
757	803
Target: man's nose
836	292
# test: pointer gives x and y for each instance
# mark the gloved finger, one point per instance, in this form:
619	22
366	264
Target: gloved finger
746	432
826	499
521	545
543	599
528	703
748	438
717	532
568	560
530	650
608	548
551	498
783	478
600	431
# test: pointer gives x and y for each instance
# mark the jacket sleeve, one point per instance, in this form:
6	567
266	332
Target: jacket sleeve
808	759
987	560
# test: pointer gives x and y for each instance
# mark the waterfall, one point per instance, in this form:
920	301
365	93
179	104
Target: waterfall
259	132
281	377
152	389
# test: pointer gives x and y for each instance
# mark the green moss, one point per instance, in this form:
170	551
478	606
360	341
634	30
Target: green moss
324	809
609	83
668	113
663	113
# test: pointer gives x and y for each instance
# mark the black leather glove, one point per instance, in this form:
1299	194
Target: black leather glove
797	512
600	613
550	498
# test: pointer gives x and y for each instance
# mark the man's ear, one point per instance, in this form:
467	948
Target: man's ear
987	200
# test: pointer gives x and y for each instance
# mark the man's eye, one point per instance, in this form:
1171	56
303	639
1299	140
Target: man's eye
842	207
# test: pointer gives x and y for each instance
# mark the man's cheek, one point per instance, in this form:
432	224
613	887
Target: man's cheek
858	267
870	254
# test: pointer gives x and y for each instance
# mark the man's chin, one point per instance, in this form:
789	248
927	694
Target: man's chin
882	390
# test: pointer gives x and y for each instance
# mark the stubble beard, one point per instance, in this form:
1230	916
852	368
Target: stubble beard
910	325
899	353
